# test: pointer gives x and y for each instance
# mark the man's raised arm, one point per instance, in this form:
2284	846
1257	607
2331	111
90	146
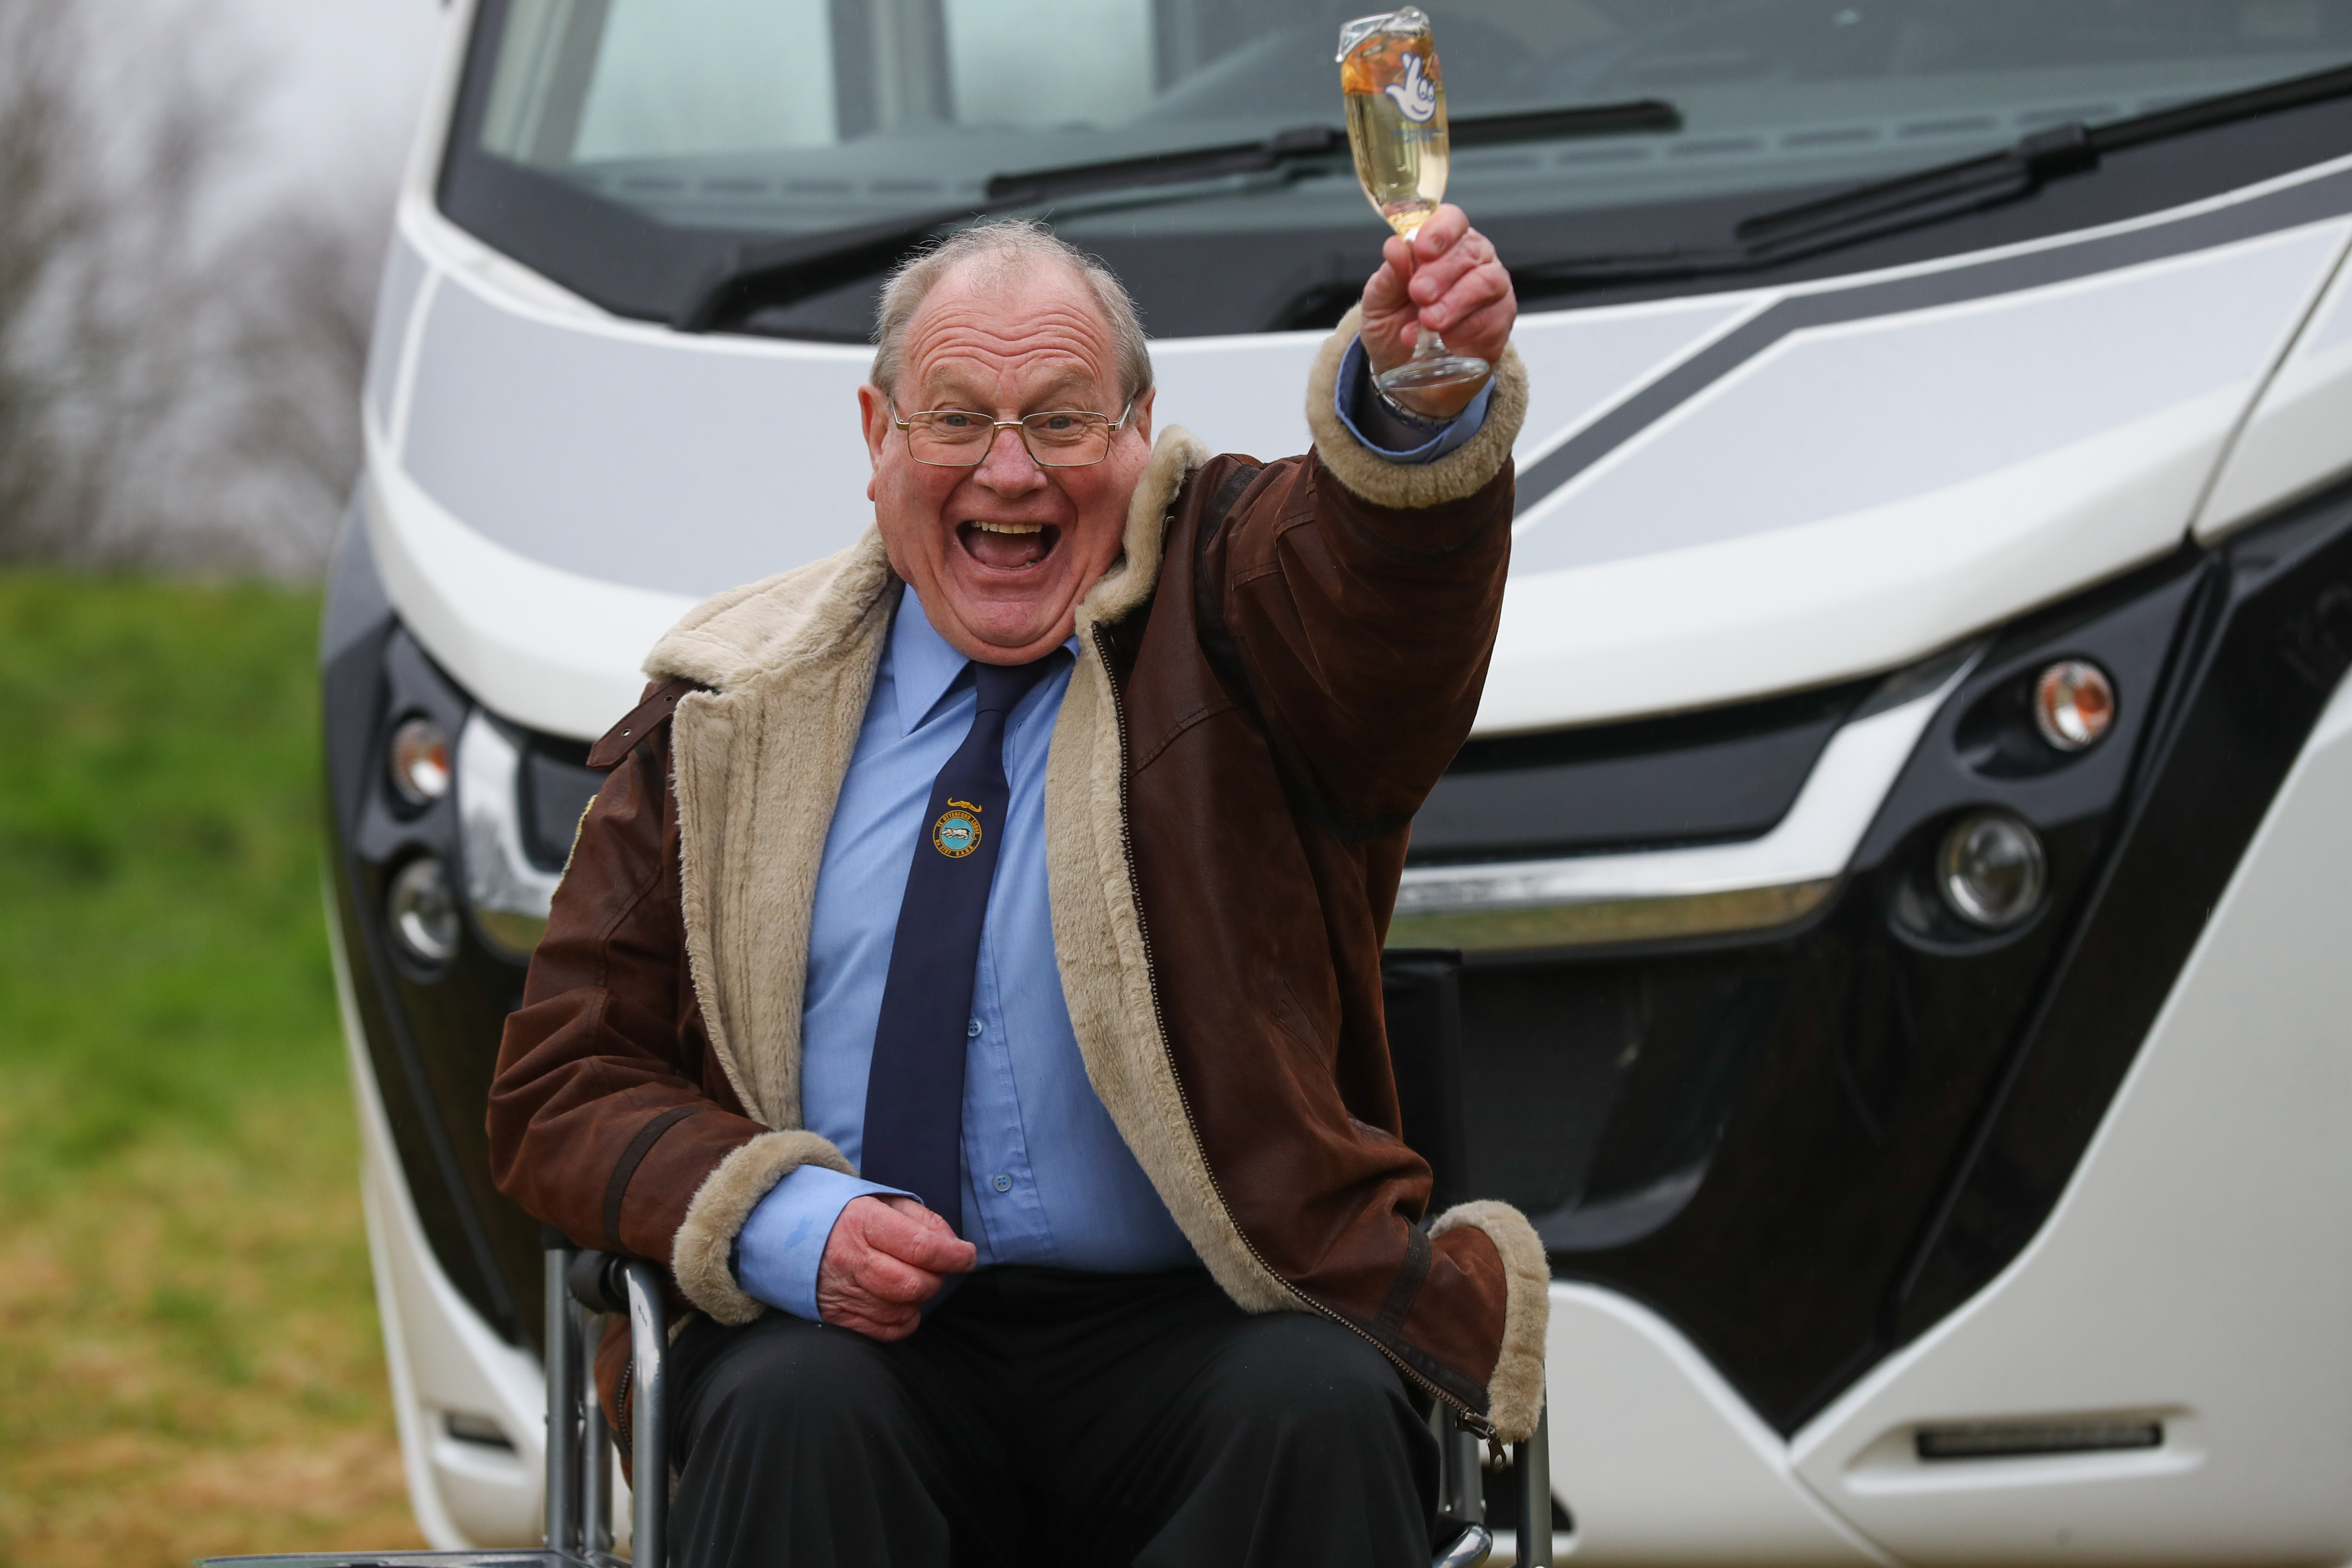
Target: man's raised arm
1356	595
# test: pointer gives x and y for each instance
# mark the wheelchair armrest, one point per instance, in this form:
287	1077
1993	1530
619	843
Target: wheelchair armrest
594	1280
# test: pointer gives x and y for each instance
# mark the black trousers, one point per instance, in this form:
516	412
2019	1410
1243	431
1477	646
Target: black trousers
1041	1416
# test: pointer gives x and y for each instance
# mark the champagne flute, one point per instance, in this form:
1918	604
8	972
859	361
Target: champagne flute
1396	128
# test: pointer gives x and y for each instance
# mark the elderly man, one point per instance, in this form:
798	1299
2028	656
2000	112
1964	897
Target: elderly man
968	979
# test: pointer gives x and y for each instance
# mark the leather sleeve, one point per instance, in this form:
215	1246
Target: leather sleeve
604	1118
1345	609
1357	600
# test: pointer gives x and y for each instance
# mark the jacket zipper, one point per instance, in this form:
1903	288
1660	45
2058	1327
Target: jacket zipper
1470	1418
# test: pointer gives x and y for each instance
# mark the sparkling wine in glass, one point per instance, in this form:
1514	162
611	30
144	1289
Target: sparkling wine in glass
1396	127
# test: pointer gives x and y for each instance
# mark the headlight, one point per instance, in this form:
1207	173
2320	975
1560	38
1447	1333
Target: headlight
1990	870
419	761
422	912
2074	704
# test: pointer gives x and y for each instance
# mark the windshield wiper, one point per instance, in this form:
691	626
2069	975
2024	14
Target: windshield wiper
769	273
746	276
1931	195
1314	142
775	272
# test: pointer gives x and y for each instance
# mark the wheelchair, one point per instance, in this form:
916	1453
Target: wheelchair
583	1287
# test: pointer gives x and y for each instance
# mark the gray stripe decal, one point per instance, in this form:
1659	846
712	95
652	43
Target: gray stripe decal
2310	202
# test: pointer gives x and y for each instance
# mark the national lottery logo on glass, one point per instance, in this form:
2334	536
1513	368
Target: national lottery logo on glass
1395	97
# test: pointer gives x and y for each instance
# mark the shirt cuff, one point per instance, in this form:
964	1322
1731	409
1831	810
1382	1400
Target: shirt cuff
781	1243
1356	384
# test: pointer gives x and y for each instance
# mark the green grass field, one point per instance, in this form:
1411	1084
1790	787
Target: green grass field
189	1359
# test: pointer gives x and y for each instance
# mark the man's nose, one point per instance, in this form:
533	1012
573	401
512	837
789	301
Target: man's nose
1009	467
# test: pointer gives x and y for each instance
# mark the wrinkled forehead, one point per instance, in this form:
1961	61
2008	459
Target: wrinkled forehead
1010	336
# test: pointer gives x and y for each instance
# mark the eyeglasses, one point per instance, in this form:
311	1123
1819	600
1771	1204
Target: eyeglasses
1058	438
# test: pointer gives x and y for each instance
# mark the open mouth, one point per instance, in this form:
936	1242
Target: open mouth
1008	546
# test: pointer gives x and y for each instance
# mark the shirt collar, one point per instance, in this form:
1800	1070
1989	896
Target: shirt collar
924	667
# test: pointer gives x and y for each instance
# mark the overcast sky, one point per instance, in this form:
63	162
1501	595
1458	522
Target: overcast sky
334	85
345	76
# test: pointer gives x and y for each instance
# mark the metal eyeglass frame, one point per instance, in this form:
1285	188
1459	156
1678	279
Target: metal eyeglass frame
984	447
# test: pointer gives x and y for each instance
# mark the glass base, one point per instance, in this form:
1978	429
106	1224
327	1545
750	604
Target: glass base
1419	374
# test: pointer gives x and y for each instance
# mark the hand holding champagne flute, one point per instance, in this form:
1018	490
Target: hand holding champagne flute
1440	275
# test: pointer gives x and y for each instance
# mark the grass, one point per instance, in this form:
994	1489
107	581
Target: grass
189	1356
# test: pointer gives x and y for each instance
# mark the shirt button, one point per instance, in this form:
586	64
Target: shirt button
972	1029
1000	1182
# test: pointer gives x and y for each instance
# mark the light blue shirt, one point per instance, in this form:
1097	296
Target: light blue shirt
1047	1179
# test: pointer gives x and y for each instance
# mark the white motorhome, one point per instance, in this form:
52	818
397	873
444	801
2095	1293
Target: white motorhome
1898	869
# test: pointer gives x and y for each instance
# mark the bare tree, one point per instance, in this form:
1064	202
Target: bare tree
304	349
48	213
292	301
175	391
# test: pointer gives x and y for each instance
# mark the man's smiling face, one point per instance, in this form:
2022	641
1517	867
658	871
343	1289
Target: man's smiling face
1002	554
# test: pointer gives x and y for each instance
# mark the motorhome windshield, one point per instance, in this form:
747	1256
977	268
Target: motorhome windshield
629	147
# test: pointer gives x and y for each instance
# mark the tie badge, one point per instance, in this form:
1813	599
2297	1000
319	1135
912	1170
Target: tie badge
957	832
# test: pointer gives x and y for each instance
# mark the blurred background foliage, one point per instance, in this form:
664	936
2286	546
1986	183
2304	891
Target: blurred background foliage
189	1357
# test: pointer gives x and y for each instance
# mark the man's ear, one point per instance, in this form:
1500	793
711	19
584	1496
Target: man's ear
1141	418
873	414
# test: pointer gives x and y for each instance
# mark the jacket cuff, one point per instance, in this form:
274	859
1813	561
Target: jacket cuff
715	1218
1515	1391
1458	475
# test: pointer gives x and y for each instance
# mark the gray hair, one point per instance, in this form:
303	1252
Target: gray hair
1001	253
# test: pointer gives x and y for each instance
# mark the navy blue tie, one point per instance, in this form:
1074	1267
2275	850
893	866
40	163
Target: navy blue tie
914	1091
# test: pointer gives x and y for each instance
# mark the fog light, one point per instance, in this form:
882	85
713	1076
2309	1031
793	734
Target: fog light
2074	704
419	761
1990	870
422	914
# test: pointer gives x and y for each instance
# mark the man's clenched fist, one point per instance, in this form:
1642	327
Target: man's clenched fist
886	1258
1446	279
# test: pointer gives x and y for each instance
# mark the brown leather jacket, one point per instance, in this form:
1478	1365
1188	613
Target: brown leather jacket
1271	679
